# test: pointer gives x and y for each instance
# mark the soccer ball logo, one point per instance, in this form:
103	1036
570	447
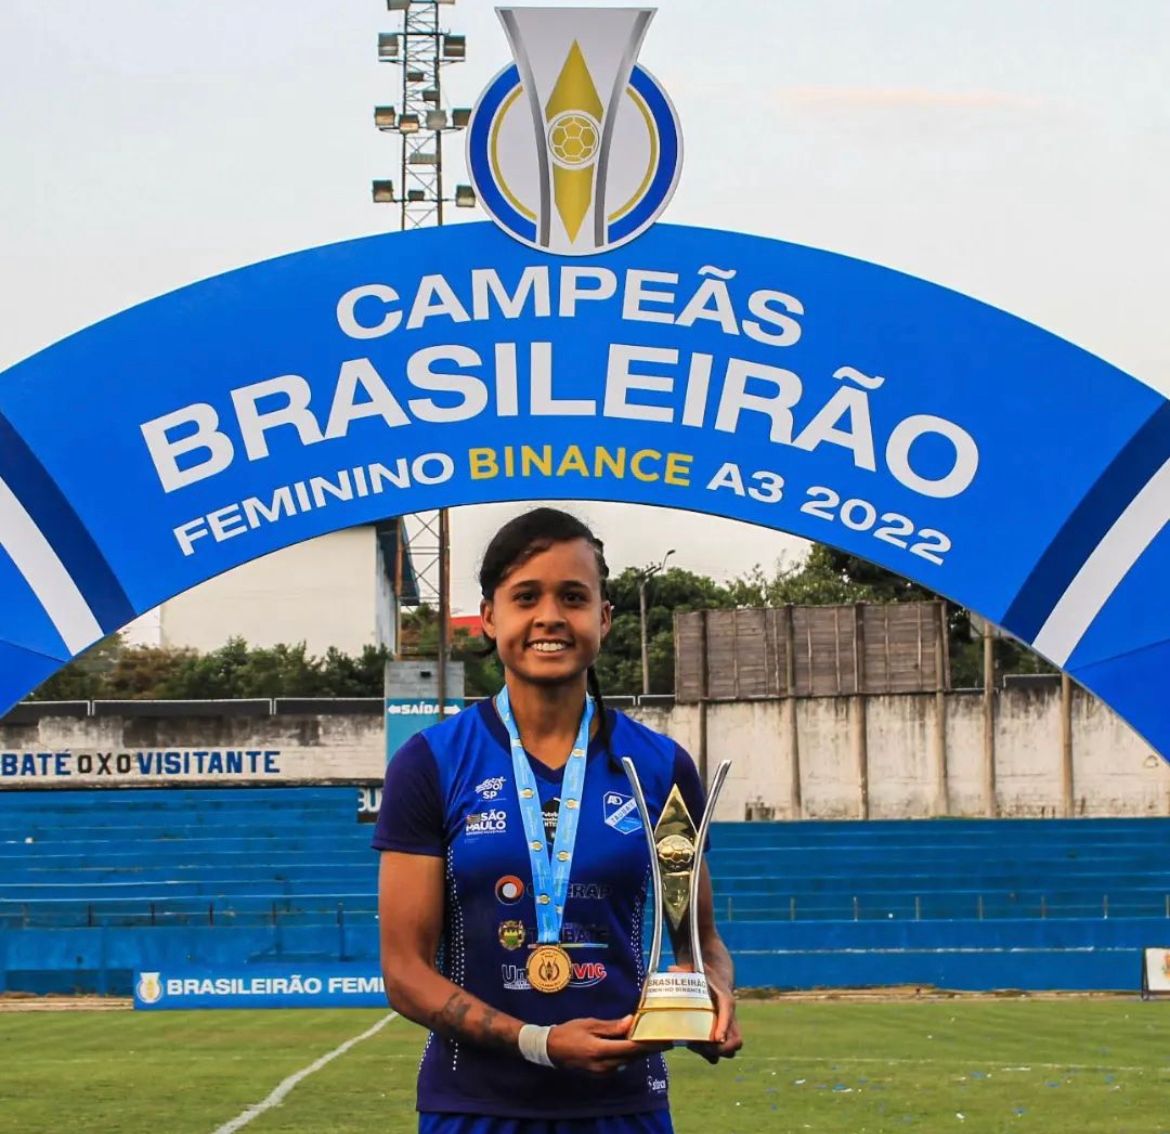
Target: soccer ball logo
574	139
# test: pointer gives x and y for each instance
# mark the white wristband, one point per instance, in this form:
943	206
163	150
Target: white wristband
534	1044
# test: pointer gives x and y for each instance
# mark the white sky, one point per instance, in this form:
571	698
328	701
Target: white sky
1016	150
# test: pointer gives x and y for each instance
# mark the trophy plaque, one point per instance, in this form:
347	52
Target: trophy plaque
675	1006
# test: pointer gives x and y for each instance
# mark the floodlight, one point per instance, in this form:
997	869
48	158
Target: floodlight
384	193
436	120
431	94
464	197
416	76
422	157
397	5
408	123
414	196
460	117
454	47
387	47
385	117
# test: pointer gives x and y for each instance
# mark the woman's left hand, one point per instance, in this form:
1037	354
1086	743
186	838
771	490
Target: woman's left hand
725	1038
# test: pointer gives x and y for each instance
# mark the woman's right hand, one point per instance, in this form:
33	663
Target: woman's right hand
599	1047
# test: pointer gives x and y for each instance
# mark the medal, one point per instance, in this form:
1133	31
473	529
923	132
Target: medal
549	968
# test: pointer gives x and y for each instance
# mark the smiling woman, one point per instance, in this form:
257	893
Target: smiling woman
509	854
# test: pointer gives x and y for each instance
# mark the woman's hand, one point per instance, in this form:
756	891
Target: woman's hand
725	1038
599	1047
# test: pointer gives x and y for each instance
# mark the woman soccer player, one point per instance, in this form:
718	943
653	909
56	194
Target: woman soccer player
515	869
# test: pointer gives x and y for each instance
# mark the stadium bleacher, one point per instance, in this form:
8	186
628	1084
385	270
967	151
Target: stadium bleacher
97	884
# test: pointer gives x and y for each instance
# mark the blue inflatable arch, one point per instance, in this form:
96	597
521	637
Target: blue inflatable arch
707	371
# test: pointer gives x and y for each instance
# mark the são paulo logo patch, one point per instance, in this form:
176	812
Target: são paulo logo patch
574	149
493	821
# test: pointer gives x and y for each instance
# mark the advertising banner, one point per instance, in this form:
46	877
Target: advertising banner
571	348
207	767
260	986
1156	972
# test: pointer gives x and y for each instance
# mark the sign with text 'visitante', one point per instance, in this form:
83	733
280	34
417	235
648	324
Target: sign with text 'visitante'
575	348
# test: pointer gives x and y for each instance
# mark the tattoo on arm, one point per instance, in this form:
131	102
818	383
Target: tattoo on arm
469	1021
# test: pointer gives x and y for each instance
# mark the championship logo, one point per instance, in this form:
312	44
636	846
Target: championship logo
149	988
575	149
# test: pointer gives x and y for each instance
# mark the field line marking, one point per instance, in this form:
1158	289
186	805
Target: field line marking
282	1089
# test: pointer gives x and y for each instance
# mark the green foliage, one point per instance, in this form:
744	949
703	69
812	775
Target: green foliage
111	670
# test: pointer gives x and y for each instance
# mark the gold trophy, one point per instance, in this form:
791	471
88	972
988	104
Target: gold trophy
675	1006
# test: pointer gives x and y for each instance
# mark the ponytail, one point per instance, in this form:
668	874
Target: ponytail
602	719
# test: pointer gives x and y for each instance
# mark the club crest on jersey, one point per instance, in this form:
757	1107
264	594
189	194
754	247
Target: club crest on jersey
512	935
491	787
509	889
490	822
574	149
621	812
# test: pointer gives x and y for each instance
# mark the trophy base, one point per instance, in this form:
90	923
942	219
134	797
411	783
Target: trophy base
675	1008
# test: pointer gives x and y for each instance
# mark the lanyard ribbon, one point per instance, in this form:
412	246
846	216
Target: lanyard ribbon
550	879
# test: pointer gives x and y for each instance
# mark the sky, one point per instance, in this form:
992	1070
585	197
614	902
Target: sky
1015	150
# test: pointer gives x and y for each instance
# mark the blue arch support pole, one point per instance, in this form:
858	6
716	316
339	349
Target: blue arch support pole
706	371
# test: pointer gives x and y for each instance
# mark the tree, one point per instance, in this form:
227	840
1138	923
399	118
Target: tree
112	670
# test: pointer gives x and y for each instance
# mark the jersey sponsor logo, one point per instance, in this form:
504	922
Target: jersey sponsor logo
657	1086
586	974
510	889
551	810
490	822
574	935
590	891
512	935
621	812
491	787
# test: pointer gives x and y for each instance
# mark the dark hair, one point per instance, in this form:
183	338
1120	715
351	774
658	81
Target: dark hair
518	541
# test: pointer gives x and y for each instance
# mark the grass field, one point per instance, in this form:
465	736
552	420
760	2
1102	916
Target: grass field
839	1067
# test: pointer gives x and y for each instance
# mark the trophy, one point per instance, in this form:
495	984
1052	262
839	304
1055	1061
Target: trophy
675	1006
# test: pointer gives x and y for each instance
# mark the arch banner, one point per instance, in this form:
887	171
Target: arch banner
693	369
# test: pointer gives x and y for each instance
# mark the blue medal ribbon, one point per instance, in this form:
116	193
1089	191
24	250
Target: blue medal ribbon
550	877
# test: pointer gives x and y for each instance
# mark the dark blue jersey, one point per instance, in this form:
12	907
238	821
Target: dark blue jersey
449	792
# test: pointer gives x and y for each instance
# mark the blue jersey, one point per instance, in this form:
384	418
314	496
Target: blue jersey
449	792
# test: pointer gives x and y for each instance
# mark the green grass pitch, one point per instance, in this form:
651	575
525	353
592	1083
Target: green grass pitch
835	1066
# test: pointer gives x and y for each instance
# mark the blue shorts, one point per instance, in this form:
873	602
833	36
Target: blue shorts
648	1122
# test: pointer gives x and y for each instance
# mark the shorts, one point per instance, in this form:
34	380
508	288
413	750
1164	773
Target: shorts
648	1122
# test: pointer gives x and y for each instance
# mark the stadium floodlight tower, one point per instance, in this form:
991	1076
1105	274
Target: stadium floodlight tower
422	50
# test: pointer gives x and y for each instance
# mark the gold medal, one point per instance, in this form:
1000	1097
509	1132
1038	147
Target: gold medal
549	968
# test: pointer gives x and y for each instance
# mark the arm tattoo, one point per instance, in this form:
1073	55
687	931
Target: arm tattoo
465	1020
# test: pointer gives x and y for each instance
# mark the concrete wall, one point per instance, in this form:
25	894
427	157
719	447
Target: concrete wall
922	755
324	592
881	757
